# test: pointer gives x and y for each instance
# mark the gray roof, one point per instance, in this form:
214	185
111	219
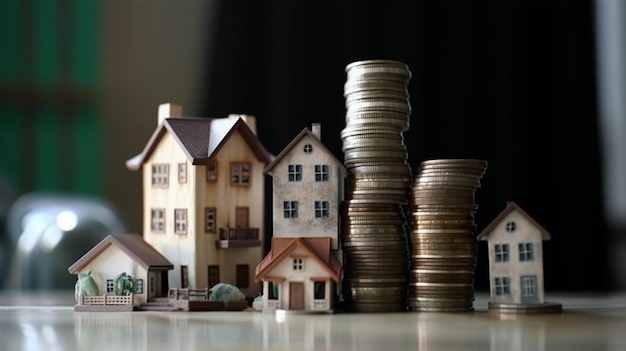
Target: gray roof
200	139
131	244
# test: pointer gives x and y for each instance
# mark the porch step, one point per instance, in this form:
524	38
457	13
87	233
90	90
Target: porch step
157	304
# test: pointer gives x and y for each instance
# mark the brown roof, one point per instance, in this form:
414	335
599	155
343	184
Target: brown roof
295	140
131	244
200	139
318	248
510	206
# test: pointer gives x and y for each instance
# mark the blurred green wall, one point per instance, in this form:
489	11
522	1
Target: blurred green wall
50	118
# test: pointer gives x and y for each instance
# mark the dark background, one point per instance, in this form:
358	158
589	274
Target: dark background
510	82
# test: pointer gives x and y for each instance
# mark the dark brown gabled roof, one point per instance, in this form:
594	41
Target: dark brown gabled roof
200	139
510	206
318	248
318	143
131	244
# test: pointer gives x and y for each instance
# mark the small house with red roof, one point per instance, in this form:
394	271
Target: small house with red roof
203	197
299	274
515	257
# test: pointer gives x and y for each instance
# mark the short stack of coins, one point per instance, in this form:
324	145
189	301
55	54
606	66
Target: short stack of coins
379	182
442	242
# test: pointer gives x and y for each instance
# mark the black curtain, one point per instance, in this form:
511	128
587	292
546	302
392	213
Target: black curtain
510	82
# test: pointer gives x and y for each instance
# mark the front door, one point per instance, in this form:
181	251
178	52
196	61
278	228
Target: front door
296	296
242	219
528	284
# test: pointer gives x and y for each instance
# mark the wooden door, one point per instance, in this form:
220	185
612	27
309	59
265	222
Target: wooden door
242	219
296	296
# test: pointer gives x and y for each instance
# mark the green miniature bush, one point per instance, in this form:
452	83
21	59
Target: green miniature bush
85	285
226	292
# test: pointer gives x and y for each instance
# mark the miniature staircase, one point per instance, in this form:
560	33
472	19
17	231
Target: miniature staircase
157	304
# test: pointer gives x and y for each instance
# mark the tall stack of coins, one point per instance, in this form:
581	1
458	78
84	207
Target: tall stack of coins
442	242
378	186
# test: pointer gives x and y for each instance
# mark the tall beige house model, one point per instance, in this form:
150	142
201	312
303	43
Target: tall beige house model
203	196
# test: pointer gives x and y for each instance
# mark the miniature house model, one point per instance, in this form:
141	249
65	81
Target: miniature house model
301	270
123	253
203	196
515	257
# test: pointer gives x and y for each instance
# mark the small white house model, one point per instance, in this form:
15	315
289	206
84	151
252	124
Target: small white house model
123	253
515	257
301	272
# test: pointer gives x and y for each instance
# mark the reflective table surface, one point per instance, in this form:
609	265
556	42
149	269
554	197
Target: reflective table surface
47	321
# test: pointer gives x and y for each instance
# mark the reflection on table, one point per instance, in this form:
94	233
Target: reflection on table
588	323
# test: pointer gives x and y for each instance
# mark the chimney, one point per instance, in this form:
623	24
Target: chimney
316	129
169	110
249	119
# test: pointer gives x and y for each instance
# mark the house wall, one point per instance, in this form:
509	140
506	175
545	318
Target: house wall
111	262
525	232
312	268
306	192
177	248
226	198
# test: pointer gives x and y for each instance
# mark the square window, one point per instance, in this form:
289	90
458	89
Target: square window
298	264
294	173
526	252
240	173
502	285
290	209
321	173
321	209
502	252
160	175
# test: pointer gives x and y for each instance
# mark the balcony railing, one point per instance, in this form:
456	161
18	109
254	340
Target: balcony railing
238	237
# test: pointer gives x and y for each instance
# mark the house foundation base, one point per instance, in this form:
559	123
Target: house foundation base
537	308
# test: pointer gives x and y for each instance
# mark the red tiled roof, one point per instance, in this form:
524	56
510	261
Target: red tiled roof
510	206
133	245
318	248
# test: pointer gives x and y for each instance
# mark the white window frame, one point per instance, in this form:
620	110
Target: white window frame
160	175
294	173
182	173
298	264
157	220
502	252
526	252
321	173
322	209
240	173
180	221
290	209
502	286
